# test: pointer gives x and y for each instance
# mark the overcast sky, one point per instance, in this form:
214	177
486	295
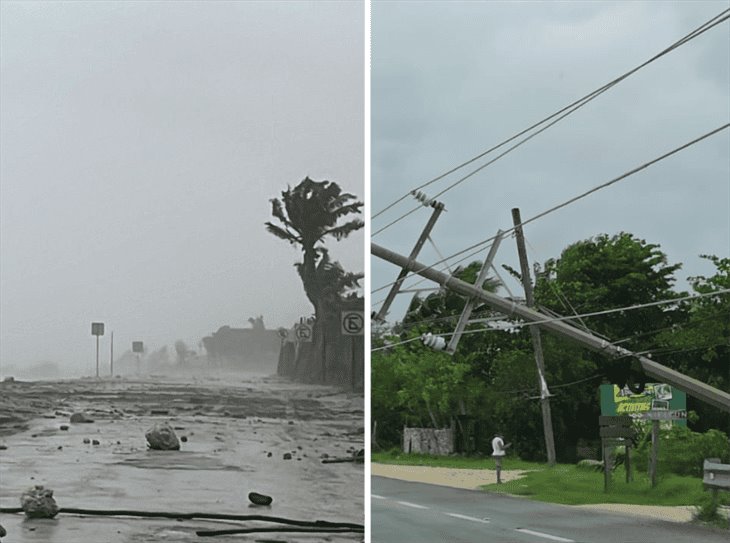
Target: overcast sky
450	80
141	143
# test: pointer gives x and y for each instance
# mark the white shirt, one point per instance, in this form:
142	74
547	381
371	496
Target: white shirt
498	447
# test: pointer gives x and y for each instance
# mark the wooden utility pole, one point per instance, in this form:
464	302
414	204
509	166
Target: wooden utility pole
438	208
469	306
547	421
702	391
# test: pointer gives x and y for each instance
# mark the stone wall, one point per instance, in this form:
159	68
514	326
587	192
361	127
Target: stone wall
428	441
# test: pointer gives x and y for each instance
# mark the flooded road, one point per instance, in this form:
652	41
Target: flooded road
242	434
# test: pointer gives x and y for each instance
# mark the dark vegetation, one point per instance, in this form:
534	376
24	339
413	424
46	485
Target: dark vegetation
490	384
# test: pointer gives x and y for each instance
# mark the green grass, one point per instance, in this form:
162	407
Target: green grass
456	462
569	485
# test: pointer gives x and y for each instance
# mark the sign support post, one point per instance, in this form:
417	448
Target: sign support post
97	329
352	323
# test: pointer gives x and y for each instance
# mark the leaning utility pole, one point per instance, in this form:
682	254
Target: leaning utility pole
438	208
691	386
547	420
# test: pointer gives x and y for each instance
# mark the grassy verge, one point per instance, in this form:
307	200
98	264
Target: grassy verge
455	462
568	484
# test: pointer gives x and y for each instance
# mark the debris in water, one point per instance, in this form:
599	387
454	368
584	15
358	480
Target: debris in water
162	437
38	502
260	499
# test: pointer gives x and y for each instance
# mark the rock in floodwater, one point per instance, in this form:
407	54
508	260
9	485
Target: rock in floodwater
162	437
260	499
38	502
64	427
287	456
80	417
3	533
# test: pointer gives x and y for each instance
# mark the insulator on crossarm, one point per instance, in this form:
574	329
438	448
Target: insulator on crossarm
437	343
423	198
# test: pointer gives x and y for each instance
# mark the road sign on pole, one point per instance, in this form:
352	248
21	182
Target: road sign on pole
353	322
304	332
97	329
679	414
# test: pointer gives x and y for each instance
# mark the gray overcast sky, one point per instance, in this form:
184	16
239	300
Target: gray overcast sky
141	143
450	80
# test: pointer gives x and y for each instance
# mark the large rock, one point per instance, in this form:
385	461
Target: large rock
38	502
162	437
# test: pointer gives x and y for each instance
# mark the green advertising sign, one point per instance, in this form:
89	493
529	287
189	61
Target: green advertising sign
618	401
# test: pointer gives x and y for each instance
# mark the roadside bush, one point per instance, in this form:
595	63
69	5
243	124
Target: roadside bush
682	451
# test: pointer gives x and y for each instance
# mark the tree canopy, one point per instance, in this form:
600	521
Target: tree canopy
492	378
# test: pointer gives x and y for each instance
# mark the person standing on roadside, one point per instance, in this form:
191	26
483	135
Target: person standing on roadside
498	451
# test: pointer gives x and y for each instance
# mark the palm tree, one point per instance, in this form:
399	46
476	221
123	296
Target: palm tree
309	213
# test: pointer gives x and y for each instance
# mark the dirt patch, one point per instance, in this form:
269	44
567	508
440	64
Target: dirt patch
456	478
682	513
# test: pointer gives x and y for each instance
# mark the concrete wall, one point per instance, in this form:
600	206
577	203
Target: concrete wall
428	441
331	358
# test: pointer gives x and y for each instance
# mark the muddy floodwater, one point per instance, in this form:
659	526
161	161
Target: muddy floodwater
242	434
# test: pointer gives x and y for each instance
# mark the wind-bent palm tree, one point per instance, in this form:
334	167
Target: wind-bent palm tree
308	213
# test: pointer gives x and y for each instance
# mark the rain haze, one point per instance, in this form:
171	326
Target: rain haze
141	143
450	80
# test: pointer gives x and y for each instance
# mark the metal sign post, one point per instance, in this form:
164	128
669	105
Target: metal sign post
137	348
615	431
97	329
111	356
352	324
655	416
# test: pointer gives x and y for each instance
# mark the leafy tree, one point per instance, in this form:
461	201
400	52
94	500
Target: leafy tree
257	323
698	344
308	214
415	386
608	273
182	352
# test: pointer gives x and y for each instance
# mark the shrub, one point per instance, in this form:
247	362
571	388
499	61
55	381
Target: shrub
683	451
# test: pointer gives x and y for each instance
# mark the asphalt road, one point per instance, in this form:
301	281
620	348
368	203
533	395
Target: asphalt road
405	512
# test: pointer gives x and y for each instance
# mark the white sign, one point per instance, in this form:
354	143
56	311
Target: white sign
665	415
353	323
304	332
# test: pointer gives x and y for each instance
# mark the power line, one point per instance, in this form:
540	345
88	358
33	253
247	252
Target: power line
621	177
571	317
563	385
560	114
